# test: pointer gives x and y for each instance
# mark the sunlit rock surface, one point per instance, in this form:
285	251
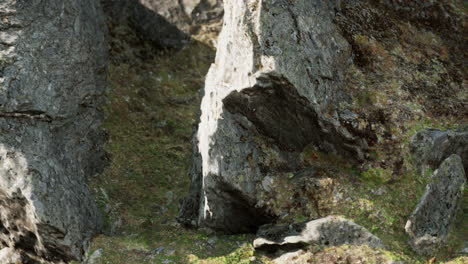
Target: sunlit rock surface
273	89
327	231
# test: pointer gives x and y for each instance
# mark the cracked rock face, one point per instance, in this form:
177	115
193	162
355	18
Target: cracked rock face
52	77
432	146
328	231
430	222
274	88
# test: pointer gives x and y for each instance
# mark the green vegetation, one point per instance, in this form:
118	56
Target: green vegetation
151	110
152	106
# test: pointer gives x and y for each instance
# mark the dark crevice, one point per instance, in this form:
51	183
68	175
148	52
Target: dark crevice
27	242
295	23
241	214
31	115
279	112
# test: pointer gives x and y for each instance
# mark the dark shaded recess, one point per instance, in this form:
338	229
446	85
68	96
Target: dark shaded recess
286	247
279	112
239	213
438	15
277	233
358	18
3	229
53	251
155	28
27	242
190	205
444	145
25	259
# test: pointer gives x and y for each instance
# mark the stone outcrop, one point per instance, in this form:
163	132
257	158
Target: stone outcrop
328	231
274	88
166	23
432	146
53	58
430	223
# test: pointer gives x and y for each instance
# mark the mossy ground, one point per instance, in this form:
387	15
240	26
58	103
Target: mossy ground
153	100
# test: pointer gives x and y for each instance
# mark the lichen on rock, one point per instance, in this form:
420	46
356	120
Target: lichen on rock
430	223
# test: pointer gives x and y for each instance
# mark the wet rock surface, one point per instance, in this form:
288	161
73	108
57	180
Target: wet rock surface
270	92
53	62
431	147
328	231
430	223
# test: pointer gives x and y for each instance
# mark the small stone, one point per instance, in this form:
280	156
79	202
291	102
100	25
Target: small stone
161	124
95	256
116	225
169	197
464	250
158	208
212	240
157	251
170	252
337	196
379	191
206	231
328	231
267	183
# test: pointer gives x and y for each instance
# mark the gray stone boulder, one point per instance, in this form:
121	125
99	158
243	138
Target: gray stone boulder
53	60
273	89
432	146
430	222
327	231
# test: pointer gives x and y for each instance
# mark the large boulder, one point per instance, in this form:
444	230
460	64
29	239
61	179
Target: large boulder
327	231
53	57
275	87
432	146
430	222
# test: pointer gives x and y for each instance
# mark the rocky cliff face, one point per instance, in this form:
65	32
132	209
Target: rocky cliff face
345	77
273	89
53	59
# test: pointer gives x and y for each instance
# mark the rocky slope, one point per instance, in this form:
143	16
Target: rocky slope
325	128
